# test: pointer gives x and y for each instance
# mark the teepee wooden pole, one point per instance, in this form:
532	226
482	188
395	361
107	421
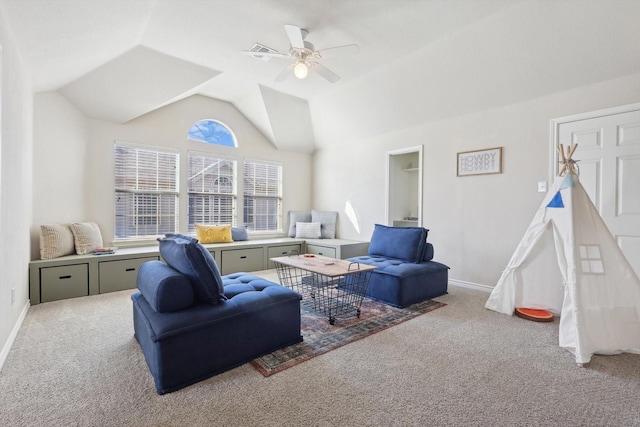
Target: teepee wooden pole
573	150
561	151
567	161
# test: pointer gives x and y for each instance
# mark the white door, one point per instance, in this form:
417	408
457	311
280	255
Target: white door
608	158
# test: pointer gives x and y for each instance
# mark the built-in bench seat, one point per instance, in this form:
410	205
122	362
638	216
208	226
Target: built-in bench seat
80	275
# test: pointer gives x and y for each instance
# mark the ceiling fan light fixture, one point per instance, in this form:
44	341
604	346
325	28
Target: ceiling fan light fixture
300	70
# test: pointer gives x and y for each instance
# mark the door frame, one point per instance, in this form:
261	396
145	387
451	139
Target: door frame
407	150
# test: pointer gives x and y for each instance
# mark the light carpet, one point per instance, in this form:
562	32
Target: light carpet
75	363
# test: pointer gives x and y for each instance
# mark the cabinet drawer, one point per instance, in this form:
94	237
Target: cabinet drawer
62	282
119	275
321	250
278	251
233	261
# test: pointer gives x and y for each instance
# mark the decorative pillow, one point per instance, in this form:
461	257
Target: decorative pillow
56	240
428	252
405	243
307	230
214	233
87	237
165	289
327	222
185	254
295	217
239	234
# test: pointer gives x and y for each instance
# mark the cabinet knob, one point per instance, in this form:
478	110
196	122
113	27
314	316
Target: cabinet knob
65	277
243	257
130	269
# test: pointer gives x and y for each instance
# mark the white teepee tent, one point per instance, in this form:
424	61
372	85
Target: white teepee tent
595	291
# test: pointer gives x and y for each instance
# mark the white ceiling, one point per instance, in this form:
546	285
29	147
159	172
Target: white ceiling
88	50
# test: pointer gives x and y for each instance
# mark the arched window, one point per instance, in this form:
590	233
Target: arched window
212	132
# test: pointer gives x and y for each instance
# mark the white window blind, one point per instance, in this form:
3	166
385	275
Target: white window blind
262	196
146	192
212	190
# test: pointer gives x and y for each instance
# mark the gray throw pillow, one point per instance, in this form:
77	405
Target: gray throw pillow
327	220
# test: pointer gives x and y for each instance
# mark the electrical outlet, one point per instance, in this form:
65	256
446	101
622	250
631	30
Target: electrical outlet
542	186
13	296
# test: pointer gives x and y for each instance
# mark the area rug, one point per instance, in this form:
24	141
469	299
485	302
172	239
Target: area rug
321	337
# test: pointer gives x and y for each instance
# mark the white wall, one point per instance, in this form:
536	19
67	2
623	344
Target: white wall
59	164
15	189
88	144
484	86
475	222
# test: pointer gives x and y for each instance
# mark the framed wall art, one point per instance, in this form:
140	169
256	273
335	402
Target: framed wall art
480	162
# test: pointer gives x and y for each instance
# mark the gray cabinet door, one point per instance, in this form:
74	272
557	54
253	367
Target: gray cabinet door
120	275
67	281
278	251
321	250
240	260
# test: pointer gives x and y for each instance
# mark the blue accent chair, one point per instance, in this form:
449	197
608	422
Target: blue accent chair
406	272
192	323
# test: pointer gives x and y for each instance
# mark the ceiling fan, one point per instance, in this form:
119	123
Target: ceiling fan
302	55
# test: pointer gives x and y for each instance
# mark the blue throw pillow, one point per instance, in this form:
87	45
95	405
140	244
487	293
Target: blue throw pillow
165	289
428	252
239	234
405	243
189	257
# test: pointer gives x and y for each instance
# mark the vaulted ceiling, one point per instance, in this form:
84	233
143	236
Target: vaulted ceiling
116	59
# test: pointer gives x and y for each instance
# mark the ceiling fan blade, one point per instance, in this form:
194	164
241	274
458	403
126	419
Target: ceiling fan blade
295	36
339	50
263	54
324	72
285	73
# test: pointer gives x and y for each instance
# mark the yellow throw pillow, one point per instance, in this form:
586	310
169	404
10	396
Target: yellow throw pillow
213	233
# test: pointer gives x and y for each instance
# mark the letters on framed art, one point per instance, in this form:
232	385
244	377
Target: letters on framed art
480	162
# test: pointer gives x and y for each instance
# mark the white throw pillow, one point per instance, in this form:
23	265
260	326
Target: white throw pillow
87	237
307	230
295	217
56	240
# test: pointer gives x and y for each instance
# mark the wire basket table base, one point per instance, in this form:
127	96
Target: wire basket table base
332	294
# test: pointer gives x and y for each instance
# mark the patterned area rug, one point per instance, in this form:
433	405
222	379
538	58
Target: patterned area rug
321	337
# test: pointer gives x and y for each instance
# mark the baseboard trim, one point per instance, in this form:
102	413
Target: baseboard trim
12	337
476	286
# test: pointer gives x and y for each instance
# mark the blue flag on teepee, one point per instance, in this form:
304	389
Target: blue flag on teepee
556	202
567	182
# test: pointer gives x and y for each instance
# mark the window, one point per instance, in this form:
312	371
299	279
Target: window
146	192
212	132
262	196
211	183
590	259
